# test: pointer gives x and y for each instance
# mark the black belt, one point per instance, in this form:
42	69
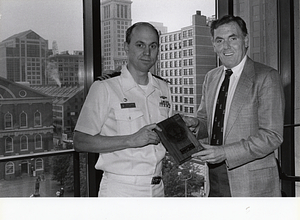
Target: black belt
156	180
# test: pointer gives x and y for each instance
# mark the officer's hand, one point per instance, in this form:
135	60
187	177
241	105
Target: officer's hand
146	135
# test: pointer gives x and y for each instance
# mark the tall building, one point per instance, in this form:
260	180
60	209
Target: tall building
186	56
159	27
116	18
65	69
23	58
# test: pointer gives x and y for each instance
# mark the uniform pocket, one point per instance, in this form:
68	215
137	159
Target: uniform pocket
129	120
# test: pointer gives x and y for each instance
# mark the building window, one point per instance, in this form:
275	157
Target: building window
24	143
191	101
184	62
8	145
184	53
9	168
191	91
8	121
23	120
37	119
39	165
38	141
191	109
186	100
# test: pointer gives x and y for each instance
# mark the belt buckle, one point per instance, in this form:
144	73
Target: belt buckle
156	180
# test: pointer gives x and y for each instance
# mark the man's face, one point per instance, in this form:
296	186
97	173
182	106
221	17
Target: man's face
230	44
143	49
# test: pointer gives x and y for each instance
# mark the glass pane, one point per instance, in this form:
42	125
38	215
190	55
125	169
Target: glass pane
261	19
39	177
297	92
41	92
186	55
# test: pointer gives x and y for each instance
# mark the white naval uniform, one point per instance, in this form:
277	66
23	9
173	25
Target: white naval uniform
118	106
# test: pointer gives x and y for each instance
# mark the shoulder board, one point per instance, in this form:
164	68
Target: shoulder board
108	76
158	77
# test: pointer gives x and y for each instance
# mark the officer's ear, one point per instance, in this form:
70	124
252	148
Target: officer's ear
126	47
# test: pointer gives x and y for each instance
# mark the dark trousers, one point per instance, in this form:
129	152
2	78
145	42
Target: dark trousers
218	179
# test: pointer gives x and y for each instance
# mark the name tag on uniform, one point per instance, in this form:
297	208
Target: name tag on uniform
128	105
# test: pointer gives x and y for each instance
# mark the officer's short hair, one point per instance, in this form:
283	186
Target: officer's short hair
130	29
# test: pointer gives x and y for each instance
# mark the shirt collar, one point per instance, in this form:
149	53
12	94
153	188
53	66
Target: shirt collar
237	70
129	83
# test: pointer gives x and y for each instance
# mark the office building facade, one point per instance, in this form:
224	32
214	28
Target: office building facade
116	18
23	58
186	56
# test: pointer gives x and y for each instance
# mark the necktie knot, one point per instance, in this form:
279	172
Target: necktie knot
228	72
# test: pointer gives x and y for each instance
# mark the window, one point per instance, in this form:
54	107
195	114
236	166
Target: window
9	168
24	143
23	120
8	121
39	165
191	109
8	145
38	141
37	119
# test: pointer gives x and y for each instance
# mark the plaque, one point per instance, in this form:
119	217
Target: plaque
178	139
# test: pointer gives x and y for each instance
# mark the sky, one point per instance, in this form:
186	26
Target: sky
61	20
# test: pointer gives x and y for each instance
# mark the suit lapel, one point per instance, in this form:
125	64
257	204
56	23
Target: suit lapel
212	93
242	91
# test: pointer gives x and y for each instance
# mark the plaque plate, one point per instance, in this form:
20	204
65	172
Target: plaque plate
178	139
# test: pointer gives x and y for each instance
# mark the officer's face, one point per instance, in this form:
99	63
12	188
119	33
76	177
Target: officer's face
230	44
143	49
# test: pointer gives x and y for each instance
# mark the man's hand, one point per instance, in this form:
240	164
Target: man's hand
146	135
191	122
211	154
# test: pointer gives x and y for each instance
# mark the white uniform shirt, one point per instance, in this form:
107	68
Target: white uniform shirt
118	106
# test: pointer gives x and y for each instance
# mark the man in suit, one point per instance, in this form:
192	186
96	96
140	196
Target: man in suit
244	126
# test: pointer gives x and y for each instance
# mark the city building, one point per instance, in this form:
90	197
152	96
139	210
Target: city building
159	27
23	58
115	19
67	103
25	128
185	57
65	69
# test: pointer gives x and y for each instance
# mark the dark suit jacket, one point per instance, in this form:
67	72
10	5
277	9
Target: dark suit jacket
254	129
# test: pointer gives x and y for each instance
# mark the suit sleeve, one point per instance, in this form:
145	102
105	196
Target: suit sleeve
263	132
202	129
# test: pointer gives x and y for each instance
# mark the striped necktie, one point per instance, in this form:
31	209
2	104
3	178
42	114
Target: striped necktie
218	123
